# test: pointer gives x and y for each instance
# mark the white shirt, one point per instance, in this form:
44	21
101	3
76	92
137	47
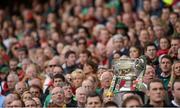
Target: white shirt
174	103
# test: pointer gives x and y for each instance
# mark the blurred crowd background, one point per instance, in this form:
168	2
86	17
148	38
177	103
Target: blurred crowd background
59	53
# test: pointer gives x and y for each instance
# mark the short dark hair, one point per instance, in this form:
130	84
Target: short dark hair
176	80
36	87
86	52
167	57
133	97
61	76
155	81
68	53
150	44
94	94
82	38
111	104
175	38
93	65
14	59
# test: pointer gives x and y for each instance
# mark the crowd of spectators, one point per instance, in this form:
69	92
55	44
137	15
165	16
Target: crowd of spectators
59	53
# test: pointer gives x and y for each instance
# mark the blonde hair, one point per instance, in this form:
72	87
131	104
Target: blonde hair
173	75
77	72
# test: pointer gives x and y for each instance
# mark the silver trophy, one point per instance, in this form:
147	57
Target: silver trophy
128	70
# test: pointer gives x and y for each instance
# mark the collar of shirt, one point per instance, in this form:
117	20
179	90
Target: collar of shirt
164	75
173	102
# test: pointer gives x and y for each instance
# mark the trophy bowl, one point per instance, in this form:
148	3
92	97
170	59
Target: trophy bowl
128	70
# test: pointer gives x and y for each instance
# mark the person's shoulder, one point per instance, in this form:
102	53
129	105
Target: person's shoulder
172	105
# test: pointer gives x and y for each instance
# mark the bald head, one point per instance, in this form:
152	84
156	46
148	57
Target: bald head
35	81
20	87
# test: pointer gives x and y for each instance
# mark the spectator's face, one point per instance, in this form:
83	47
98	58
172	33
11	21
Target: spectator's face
175	45
20	88
111	27
104	36
16	103
71	59
51	18
165	14
67	91
127	7
149	74
127	20
29	41
26	97
133	52
176	91
173	18
164	44
88	85
146	5
118	44
35	92
57	70
3	76
144	36
155	4
107	97
177	27
30	103
48	52
58	82
31	72
139	25
13	65
83	57
51	65
81	44
59	47
77	81
11	82
9	99
133	104
151	52
68	77
159	32
82	33
81	96
57	95
177	69
87	69
21	55
165	65
93	102
106	79
156	92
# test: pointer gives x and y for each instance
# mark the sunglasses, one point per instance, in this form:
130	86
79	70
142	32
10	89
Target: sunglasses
52	65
